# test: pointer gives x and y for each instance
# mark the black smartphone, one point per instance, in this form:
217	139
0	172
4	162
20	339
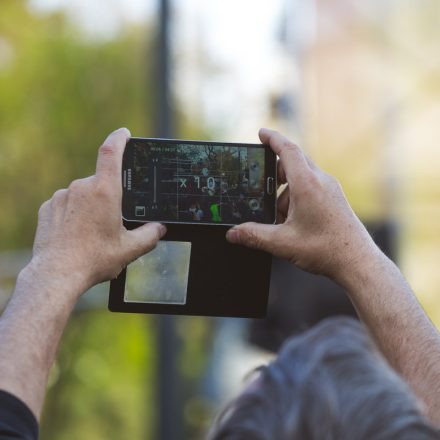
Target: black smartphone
214	183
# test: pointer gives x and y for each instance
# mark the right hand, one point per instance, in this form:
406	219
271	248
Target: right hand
317	230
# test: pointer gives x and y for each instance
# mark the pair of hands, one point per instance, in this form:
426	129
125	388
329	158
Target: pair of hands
80	232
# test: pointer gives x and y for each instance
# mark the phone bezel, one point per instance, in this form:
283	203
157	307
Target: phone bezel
270	171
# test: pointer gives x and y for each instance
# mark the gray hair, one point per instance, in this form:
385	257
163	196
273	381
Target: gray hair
328	383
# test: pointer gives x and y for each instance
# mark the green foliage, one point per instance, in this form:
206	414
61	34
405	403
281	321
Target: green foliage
101	384
60	95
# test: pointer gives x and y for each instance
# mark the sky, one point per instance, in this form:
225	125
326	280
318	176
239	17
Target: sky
233	42
220	49
101	18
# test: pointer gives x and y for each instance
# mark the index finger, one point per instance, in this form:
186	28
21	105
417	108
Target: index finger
292	158
109	163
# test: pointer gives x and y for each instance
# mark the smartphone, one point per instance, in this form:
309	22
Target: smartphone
212	183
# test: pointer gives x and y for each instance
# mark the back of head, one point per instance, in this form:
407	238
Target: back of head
328	383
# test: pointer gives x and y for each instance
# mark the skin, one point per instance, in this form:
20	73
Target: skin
318	231
80	241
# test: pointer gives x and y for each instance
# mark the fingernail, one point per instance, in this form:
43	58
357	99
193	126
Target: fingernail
233	235
127	131
163	230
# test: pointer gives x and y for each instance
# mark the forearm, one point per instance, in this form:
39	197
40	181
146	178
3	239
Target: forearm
80	241
30	331
400	327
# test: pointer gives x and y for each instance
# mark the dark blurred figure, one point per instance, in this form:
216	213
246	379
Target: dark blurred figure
329	383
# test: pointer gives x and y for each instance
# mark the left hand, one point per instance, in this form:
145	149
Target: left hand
80	232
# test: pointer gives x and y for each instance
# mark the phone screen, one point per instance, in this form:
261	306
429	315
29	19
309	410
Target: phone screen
196	182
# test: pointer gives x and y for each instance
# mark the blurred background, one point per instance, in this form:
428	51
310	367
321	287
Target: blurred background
355	83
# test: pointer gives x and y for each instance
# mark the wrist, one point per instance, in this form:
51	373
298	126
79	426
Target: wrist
54	282
355	270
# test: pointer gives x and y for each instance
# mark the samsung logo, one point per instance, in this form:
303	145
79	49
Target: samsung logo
127	182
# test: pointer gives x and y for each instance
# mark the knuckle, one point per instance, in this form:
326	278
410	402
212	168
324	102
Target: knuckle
289	145
76	186
106	149
251	237
311	187
59	194
43	208
101	188
58	197
313	182
293	155
152	238
80	187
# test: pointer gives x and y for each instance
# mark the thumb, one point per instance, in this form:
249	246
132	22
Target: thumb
142	240
256	235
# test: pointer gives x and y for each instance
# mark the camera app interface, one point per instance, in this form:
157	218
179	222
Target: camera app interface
197	183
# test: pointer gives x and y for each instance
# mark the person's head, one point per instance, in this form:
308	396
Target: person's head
328	383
